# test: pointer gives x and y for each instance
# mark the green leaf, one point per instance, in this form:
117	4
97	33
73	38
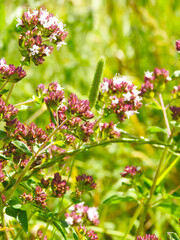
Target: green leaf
75	236
11	212
3	157
22	147
57	225
96	82
15	202
155	129
147	182
117	199
3	134
52	116
22	218
173	236
64	223
59	143
4	91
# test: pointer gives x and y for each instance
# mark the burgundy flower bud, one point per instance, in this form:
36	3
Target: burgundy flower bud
59	187
84	183
175	112
40	197
130	170
178	45
45	183
26	197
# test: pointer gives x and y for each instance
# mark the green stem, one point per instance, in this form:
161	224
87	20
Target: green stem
153	187
24	103
31	160
164	174
9	93
2	218
165	115
133	219
3	85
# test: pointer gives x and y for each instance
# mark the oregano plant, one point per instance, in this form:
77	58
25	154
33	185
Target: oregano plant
36	165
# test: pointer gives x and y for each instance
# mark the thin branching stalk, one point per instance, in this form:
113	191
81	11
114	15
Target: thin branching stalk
9	93
165	115
153	187
3	85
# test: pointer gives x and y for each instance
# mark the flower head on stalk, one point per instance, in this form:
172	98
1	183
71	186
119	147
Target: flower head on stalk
89	234
59	186
40	30
154	82
148	237
80	213
119	96
84	184
130	170
175	112
10	73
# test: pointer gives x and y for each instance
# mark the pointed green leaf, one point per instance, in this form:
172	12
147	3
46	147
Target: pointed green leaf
3	134
22	218
22	147
156	129
173	236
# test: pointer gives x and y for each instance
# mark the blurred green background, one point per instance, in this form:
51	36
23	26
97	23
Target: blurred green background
134	36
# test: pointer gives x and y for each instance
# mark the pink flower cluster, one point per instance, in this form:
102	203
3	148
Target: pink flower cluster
40	27
154	82
89	234
148	237
39	197
108	130
80	214
75	110
119	96
178	45
40	235
84	184
7	113
130	170
59	187
10	73
31	135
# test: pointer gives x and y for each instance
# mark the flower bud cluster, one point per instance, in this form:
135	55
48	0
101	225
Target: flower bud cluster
154	82
89	234
175	112
130	170
148	237
10	73
37	28
108	130
119	96
84	184
40	197
59	187
7	113
75	110
178	45
79	214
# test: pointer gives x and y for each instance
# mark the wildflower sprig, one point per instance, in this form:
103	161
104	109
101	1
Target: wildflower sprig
36	164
